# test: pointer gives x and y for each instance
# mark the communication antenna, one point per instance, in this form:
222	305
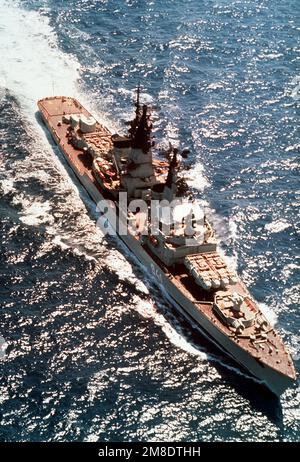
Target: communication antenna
138	96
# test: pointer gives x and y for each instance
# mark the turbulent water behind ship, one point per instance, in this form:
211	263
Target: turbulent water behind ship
89	348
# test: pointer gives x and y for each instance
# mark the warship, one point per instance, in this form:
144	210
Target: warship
184	258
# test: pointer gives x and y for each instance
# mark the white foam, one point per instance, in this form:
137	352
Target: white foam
195	177
36	213
231	261
32	66
6	186
233	229
268	313
277	226
171	130
59	242
289	269
148	310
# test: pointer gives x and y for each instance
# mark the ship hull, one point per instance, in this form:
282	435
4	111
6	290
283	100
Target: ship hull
272	379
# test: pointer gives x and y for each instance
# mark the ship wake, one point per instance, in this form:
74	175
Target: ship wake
32	64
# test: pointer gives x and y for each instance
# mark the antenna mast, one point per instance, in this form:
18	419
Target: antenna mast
137	104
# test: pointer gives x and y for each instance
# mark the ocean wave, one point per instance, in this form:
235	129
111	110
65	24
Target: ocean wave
33	65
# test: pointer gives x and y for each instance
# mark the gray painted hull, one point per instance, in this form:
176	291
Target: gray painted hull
273	380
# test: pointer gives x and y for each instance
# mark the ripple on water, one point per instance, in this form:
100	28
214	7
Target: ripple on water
92	350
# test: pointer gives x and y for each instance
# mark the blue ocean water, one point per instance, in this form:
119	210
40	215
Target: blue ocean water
90	350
